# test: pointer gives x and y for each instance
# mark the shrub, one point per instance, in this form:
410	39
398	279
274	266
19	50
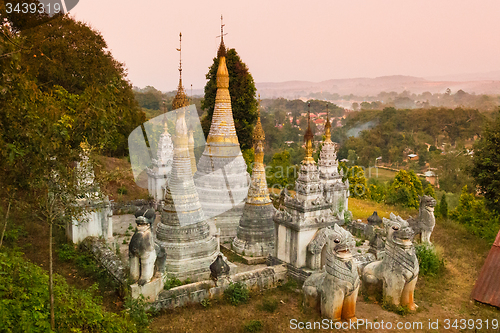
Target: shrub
289	285
478	220
253	326
172	283
122	190
405	189
136	310
205	303
269	305
66	252
25	298
443	206
429	261
236	293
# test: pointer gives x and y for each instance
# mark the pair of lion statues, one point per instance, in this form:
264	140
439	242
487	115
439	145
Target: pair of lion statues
334	290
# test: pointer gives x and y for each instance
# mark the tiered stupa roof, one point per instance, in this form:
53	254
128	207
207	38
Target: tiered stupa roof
221	179
183	231
255	234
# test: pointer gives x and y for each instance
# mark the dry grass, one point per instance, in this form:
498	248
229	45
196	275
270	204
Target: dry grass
362	209
116	173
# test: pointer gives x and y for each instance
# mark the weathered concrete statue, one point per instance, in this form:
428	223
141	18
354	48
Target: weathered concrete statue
334	290
396	275
425	221
141	250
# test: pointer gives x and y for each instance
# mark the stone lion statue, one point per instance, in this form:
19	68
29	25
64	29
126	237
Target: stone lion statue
334	290
395	276
141	249
424	223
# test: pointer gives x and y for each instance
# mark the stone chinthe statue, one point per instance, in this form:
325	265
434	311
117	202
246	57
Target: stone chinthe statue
334	291
141	249
425	221
396	275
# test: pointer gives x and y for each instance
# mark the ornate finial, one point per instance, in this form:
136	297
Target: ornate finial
222	47
328	126
165	126
180	99
308	138
258	132
180	54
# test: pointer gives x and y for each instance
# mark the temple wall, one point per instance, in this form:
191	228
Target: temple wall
97	223
259	279
107	258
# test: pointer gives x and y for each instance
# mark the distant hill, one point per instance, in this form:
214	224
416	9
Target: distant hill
373	86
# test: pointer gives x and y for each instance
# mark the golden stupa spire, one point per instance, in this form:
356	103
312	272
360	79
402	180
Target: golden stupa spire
222	128
328	126
258	138
180	99
308	138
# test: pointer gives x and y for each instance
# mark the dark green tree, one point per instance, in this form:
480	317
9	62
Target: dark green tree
443	206
242	90
486	164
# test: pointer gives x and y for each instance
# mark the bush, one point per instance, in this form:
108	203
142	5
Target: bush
122	190
136	310
172	282
269	305
253	326
24	302
478	220
66	252
429	261
236	293
405	189
289	285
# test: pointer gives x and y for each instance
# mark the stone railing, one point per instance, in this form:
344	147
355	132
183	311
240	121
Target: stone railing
259	279
106	257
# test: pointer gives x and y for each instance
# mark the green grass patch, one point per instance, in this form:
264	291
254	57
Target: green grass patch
236	293
253	326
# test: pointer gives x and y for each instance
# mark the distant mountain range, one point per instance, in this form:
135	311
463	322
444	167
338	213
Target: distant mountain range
482	83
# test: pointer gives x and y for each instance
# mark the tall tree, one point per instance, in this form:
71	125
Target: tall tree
486	164
69	60
242	90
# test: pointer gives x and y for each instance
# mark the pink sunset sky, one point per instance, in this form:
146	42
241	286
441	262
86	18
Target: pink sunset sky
298	40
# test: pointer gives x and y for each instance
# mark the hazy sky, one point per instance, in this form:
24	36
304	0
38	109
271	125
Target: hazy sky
298	40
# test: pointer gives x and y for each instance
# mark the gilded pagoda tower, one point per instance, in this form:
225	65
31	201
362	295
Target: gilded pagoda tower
183	232
337	192
255	233
299	218
221	178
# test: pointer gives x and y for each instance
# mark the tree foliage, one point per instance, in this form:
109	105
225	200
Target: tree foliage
473	213
24	300
405	189
486	164
357	183
242	90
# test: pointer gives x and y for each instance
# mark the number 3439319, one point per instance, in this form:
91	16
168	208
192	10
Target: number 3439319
24	8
